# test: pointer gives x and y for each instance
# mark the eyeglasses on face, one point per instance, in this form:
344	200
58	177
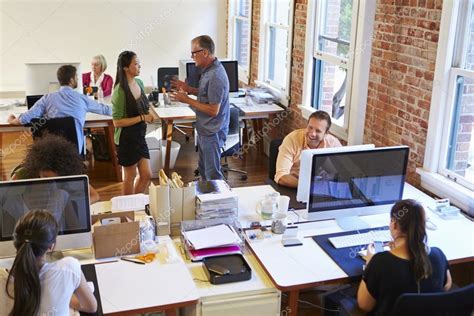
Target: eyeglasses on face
196	51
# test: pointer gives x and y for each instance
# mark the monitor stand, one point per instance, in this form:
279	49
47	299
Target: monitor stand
349	223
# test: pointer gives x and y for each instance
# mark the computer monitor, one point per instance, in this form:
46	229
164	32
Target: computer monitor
193	74
306	160
32	99
345	185
41	78
67	198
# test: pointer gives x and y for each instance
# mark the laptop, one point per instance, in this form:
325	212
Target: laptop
32	99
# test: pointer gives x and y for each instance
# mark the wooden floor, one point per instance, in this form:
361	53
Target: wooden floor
101	173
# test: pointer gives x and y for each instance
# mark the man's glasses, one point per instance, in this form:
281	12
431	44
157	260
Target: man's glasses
196	51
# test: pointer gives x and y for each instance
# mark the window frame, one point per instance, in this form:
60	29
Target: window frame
358	65
233	16
265	25
435	177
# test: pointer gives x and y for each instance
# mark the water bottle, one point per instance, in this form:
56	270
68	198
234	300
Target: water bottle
100	95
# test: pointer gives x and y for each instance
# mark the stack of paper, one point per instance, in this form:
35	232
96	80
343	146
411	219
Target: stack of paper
214	199
211	241
134	202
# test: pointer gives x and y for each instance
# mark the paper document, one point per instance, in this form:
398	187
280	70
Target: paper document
134	202
214	236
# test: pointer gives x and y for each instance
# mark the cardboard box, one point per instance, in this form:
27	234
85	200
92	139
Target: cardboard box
116	239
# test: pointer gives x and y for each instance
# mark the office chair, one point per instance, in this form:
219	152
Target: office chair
458	302
165	74
233	142
272	157
62	126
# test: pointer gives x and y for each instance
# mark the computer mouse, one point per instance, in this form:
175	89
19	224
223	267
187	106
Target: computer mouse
430	225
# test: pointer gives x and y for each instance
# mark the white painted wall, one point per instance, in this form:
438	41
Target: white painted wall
159	31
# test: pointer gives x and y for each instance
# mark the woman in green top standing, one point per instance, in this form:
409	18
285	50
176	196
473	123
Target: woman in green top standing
130	114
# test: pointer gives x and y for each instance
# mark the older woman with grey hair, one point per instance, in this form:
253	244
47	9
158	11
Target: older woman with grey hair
97	77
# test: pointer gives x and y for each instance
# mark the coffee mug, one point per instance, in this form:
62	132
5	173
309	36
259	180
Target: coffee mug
266	208
279	223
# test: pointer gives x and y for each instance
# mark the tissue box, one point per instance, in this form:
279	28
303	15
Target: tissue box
116	239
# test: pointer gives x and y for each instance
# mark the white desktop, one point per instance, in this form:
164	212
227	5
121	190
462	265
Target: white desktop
67	198
345	185
41	78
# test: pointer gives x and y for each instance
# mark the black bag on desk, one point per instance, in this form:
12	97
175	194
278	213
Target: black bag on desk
100	147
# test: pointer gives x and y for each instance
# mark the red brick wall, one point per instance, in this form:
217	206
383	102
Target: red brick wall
401	73
401	76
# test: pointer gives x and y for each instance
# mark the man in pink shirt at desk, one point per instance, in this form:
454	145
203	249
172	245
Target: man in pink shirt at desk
314	136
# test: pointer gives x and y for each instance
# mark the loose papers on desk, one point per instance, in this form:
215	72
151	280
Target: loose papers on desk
215	199
214	236
134	202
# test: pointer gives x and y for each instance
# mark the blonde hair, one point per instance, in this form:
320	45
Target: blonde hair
102	61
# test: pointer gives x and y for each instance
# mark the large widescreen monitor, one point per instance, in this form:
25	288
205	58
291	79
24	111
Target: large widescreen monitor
356	183
193	74
41	78
67	198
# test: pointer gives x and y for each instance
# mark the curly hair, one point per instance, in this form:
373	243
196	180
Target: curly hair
53	153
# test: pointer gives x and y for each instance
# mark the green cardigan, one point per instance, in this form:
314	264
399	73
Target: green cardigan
119	107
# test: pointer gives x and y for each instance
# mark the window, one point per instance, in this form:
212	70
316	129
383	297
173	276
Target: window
457	150
338	45
331	64
448	169
275	49
239	35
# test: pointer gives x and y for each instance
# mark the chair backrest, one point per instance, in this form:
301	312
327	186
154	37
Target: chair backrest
233	136
164	76
272	157
62	126
457	302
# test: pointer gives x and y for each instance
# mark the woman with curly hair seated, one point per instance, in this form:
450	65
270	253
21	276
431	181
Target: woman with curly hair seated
53	156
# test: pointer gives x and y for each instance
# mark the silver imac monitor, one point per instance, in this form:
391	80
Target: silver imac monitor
41	78
67	198
346	185
306	161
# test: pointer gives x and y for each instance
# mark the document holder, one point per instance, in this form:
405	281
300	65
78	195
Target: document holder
227	269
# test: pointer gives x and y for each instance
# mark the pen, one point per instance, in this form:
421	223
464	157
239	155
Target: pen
132	260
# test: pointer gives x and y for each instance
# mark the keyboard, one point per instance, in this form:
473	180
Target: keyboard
360	239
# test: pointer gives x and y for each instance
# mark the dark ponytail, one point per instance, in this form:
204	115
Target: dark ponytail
410	216
34	234
124	60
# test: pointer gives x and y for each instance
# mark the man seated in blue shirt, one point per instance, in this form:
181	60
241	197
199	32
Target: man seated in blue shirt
212	106
63	103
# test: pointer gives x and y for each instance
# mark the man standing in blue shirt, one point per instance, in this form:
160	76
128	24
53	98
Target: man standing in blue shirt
63	103
212	106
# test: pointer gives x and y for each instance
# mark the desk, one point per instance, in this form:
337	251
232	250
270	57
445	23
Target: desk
294	268
127	288
168	115
92	121
257	113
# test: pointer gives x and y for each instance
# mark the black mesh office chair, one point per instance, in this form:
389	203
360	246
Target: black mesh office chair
272	157
165	74
233	143
62	126
458	302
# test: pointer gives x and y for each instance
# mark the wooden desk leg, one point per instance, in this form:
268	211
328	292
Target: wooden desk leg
169	138
170	312
109	131
292	307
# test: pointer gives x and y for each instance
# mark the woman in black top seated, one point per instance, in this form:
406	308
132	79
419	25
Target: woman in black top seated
409	267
